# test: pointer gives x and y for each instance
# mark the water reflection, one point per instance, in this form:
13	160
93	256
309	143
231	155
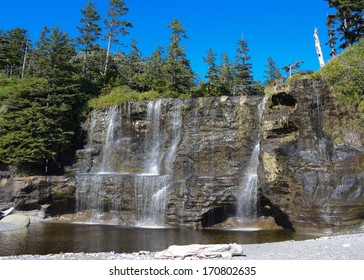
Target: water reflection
52	238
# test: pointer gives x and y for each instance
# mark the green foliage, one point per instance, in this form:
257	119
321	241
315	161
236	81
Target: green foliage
90	32
52	58
178	73
37	125
347	23
13	45
243	76
274	75
121	94
345	75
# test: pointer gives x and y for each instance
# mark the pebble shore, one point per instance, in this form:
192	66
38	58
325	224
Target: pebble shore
340	247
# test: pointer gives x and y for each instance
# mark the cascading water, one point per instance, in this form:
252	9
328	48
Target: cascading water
150	197
175	128
153	160
97	190
109	144
247	195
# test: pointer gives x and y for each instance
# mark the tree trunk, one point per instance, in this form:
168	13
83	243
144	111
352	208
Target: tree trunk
318	48
107	55
25	58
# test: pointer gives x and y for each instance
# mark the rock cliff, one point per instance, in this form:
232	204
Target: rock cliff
312	159
180	157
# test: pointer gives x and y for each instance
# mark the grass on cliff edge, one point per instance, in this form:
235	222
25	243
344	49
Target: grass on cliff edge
120	94
344	75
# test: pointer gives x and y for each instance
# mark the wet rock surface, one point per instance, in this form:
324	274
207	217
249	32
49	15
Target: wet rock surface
186	155
311	169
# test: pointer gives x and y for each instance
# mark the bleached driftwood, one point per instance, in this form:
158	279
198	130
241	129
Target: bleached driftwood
197	251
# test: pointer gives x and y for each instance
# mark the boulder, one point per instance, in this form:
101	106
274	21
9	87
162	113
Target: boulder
16	219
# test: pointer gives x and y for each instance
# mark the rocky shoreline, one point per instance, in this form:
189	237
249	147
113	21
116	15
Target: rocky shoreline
338	247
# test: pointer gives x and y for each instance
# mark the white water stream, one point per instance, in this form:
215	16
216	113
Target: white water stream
247	195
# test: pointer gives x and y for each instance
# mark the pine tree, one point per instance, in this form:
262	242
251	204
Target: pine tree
179	75
155	70
273	73
37	127
115	25
348	22
243	77
226	75
52	57
14	49
90	32
133	68
212	73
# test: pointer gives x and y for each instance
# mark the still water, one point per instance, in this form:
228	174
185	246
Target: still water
52	238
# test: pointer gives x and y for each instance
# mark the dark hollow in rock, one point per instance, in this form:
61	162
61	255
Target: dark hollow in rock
217	215
283	98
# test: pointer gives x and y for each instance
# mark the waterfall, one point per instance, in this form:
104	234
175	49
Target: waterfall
248	189
152	163
150	198
175	128
109	143
124	168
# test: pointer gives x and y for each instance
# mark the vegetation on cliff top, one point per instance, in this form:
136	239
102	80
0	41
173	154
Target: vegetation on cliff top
344	75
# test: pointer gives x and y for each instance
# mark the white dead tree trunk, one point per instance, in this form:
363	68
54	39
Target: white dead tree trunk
107	55
25	58
318	48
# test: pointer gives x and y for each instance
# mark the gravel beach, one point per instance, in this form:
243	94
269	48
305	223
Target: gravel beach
340	247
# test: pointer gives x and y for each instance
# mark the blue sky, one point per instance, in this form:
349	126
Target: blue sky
281	29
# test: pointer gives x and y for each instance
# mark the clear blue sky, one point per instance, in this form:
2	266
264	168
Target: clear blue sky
281	29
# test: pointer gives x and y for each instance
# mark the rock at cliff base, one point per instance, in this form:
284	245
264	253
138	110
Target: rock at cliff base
16	219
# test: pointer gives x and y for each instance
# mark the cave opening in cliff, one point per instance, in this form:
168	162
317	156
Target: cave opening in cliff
218	215
266	208
283	98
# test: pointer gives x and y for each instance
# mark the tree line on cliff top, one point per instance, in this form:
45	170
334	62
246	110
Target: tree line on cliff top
47	87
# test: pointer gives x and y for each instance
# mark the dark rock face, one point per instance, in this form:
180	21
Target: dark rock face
311	169
55	194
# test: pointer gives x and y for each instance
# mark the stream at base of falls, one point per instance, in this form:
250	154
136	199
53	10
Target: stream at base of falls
54	238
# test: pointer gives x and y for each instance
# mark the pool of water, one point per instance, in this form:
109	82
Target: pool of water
53	238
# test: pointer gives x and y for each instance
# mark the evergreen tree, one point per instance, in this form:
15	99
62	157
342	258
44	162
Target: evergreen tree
37	127
155	70
348	22
212	73
51	58
133	68
179	75
243	77
90	32
14	48
273	73
115	25
226	75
